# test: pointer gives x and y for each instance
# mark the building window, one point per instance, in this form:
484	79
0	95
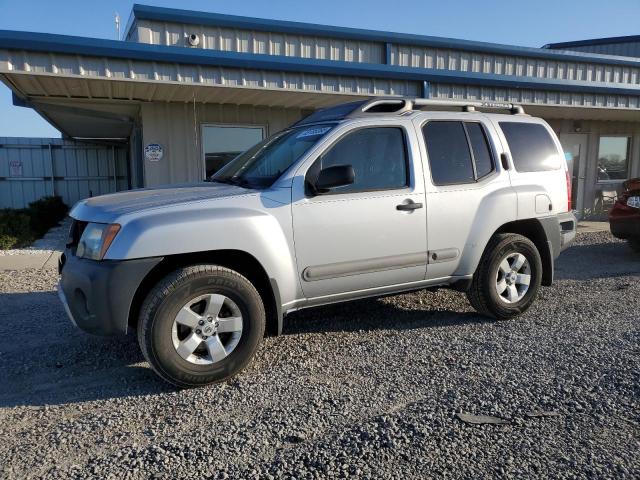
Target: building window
613	158
222	143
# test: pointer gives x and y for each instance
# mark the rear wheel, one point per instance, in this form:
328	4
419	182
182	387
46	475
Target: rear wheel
634	243
508	277
201	324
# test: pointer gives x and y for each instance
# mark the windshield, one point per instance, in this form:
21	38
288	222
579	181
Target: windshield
262	164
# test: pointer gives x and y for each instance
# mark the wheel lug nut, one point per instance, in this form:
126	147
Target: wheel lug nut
204	337
210	319
198	331
201	322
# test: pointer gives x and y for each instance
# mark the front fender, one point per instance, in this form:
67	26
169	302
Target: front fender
165	232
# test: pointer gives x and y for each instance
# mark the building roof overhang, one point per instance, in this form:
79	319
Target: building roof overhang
95	47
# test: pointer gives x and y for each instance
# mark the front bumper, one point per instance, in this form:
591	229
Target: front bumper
97	296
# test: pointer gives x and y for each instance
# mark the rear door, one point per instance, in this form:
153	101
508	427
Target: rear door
468	193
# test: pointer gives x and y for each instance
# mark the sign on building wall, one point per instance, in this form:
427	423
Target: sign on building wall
153	152
15	168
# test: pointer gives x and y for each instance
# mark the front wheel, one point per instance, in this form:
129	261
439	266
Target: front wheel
508	277
201	324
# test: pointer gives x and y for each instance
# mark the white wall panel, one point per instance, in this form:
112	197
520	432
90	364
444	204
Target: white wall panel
272	43
459	60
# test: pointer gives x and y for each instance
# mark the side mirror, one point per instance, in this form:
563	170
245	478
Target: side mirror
332	177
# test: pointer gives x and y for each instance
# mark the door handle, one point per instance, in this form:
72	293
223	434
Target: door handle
408	206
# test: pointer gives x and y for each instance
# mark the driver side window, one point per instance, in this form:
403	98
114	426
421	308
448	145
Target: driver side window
378	156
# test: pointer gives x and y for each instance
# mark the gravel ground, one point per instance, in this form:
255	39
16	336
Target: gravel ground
367	389
52	241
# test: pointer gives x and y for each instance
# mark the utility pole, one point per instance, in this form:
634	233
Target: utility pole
117	26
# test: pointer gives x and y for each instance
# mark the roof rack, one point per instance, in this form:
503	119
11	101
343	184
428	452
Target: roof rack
400	105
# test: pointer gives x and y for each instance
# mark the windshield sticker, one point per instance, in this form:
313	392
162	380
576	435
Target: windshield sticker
313	131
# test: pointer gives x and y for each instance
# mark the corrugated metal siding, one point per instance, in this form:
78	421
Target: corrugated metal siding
82	67
177	127
624	49
271	43
463	61
50	166
467	92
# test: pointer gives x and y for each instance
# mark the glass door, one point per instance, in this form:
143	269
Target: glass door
575	151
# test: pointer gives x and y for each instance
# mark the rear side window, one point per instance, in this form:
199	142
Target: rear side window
532	148
458	152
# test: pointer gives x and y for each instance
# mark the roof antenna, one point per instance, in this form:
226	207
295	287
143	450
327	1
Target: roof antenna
117	26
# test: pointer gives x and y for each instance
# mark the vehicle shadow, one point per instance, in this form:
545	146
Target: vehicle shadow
378	314
60	364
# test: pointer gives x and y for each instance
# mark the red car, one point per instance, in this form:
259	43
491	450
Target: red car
624	217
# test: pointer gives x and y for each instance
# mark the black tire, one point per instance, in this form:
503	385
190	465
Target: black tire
634	243
483	294
162	305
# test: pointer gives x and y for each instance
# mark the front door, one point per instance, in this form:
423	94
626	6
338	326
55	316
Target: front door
575	150
369	234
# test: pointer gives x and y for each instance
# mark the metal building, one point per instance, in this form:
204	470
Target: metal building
185	91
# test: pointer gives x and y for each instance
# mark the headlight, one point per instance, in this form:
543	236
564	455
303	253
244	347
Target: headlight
96	239
633	202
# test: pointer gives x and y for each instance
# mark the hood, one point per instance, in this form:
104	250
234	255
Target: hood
106	208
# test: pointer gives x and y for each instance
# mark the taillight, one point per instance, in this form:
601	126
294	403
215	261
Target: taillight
568	191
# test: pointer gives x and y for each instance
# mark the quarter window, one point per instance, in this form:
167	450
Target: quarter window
378	157
458	152
532	148
480	149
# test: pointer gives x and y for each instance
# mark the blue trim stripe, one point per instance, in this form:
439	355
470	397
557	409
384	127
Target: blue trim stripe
146	12
595	41
43	42
19	101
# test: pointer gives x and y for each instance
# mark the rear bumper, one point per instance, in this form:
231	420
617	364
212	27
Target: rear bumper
568	224
97	296
560	232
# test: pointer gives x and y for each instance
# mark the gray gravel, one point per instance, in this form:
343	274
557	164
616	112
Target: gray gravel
375	388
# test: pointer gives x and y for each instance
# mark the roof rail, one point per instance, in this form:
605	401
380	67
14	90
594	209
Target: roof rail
401	105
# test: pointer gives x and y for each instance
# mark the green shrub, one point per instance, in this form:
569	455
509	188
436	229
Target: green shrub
46	213
19	228
15	229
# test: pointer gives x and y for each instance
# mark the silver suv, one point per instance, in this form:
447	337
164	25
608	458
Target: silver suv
363	199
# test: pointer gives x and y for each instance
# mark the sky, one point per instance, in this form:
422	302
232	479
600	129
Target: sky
530	23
